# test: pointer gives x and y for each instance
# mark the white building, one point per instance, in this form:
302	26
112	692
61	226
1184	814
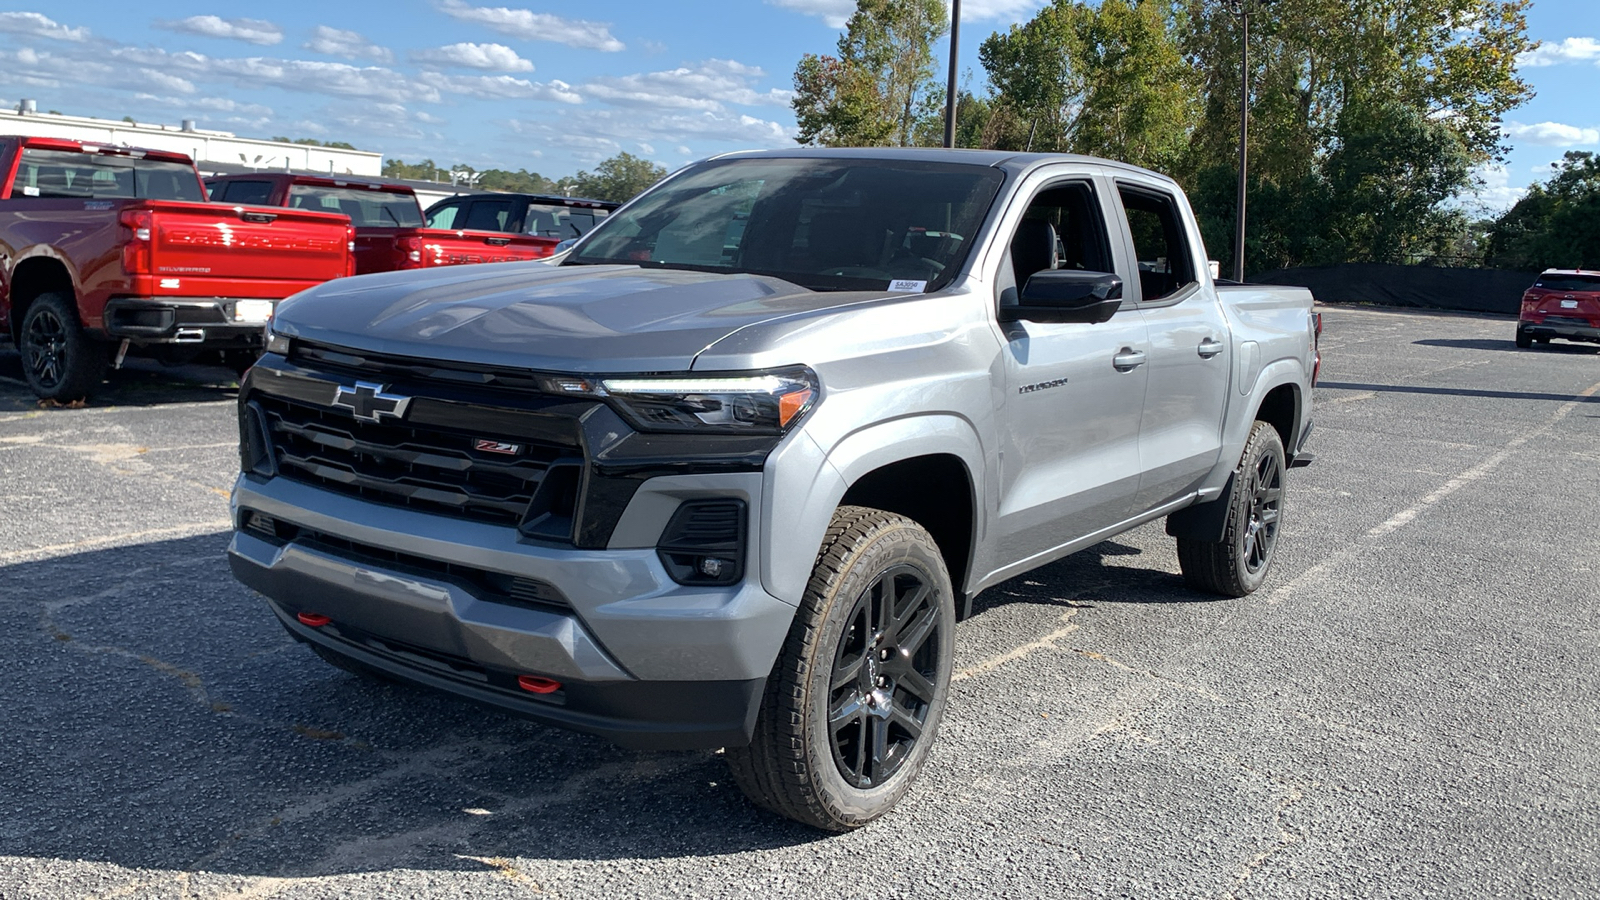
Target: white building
216	148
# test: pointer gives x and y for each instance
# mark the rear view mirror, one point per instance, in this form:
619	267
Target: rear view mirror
1066	295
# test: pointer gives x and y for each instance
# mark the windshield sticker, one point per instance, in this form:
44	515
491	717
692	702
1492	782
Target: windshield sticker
908	287
29	190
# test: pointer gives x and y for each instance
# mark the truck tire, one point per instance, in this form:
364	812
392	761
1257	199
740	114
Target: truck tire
1524	340
853	704
60	362
1239	564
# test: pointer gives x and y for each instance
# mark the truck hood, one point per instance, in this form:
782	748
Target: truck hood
582	319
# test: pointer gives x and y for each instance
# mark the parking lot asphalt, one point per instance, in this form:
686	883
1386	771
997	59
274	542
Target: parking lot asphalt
1409	707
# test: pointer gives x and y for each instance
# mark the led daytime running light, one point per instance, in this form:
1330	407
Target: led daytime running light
756	384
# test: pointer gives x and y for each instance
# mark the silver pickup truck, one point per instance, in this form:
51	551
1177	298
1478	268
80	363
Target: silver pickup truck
728	472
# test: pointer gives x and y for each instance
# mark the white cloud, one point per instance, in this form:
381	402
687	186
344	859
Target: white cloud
1494	193
709	85
1573	49
37	25
493	57
531	26
500	87
348	44
251	31
835	13
210	104
598	133
1552	134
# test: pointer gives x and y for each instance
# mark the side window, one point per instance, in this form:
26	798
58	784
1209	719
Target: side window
487	215
1165	264
256	192
445	216
1062	229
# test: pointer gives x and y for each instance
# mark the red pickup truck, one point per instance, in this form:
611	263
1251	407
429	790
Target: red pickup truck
387	218
107	250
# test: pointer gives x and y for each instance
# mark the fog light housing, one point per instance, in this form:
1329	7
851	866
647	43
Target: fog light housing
704	543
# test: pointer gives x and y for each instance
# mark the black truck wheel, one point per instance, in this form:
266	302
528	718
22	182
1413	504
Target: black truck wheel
853	703
1239	564
60	362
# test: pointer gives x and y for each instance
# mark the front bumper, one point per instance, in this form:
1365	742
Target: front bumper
643	661
1555	326
210	323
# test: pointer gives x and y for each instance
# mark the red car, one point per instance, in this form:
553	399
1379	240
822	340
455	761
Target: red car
1563	303
107	251
390	234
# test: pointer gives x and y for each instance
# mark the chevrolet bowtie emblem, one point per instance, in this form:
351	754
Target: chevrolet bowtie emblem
369	403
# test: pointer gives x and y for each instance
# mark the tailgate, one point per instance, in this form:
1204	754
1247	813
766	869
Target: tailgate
203	249
441	247
1567	304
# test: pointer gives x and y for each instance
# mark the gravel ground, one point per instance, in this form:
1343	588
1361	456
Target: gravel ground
1407	709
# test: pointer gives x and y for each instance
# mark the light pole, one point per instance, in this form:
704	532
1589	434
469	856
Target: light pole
1244	131
950	92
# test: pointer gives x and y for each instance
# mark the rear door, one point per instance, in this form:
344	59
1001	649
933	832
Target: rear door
1180	435
1069	419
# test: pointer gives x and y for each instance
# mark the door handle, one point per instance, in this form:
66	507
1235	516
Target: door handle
1210	348
1127	360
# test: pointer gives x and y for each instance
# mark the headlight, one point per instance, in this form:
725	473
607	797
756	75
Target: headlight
277	343
743	404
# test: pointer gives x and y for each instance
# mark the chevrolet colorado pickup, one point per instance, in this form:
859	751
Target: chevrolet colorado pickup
388	220
106	250
728	472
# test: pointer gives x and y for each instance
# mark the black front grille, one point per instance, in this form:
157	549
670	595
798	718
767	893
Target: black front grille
420	467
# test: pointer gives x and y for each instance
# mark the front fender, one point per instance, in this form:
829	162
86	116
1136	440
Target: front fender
805	483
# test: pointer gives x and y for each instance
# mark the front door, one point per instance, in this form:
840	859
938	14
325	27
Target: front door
1069	420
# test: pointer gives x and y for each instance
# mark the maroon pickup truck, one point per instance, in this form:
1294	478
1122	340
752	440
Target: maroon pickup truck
110	250
387	218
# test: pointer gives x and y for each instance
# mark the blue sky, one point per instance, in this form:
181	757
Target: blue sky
555	87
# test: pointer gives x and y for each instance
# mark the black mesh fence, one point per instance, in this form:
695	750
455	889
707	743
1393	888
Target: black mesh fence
1416	287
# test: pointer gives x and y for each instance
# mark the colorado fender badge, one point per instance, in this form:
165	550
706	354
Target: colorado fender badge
497	447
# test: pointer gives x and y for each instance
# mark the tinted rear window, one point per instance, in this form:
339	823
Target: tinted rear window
1568	282
549	220
366	209
59	174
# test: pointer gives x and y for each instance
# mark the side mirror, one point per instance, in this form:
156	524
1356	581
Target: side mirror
1066	295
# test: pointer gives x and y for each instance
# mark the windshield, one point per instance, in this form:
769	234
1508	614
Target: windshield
549	220
826	224
63	174
366	209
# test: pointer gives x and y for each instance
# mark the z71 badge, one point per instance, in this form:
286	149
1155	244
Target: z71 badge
498	447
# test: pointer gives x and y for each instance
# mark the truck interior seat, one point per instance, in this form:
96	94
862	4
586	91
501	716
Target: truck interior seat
1033	249
844	240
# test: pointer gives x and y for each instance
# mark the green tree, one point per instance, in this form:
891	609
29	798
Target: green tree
620	178
1557	225
881	86
1108	80
426	170
1320	68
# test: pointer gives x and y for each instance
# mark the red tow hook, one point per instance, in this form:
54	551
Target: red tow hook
535	684
312	619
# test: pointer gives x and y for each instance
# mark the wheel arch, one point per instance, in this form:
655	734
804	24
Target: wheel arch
925	467
32	278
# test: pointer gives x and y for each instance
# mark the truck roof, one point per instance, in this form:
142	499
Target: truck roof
318	180
1009	160
1570	272
71	146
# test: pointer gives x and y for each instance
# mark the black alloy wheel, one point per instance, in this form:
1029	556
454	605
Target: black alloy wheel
852	707
1266	495
60	362
45	341
882	684
1238	564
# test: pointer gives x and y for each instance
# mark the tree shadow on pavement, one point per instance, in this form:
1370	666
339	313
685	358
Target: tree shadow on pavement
1509	344
158	717
140	382
1071	581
